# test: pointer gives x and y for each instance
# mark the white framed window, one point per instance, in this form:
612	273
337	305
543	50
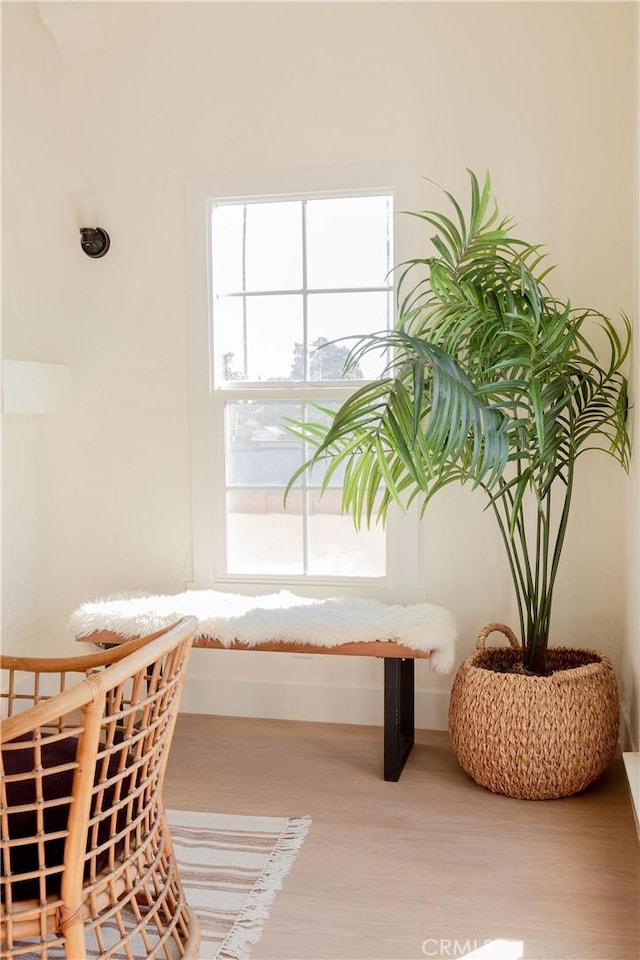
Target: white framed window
281	268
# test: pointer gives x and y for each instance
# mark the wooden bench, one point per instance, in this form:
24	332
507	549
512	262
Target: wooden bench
399	678
399	664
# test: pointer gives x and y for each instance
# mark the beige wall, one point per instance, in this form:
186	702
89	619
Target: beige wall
138	96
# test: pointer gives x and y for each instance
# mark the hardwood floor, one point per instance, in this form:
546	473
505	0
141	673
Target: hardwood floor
432	866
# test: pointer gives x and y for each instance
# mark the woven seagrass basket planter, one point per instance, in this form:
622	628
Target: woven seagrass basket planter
530	737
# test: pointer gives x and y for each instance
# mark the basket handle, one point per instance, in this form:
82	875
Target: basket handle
501	628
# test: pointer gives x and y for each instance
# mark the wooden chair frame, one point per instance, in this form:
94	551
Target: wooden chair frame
89	737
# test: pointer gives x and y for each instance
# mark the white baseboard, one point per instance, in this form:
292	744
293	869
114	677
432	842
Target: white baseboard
293	701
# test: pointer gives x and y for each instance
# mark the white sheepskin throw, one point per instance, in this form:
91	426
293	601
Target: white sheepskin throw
282	617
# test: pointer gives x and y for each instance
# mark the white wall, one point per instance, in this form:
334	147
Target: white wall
138	96
630	666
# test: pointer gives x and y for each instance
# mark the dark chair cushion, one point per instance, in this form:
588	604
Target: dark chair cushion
24	858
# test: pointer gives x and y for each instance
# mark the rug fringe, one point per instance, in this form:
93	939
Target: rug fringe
247	929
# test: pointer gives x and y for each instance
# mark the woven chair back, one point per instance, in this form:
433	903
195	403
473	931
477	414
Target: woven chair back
87	862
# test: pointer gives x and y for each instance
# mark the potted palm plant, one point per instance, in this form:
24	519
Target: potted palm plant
495	382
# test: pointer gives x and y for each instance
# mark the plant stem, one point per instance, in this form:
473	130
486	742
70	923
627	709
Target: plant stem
562	529
514	564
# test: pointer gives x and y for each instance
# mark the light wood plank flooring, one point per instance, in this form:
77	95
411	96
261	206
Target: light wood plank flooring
431	866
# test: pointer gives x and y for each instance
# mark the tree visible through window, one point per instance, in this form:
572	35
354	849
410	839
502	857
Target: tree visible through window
326	362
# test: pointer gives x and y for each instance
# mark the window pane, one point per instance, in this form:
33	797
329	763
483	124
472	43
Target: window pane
257	246
335	547
257	336
261	537
274	246
230	340
349	242
335	315
226	247
274	326
260	451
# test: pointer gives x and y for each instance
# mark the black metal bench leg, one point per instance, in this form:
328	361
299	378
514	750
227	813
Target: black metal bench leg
399	721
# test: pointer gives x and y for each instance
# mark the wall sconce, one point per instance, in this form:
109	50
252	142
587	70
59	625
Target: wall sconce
95	241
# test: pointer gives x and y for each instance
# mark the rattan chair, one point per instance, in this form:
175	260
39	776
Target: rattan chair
88	868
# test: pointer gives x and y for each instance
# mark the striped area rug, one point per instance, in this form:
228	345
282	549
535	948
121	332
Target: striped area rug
232	867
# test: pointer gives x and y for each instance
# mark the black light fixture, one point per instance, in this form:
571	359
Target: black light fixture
95	241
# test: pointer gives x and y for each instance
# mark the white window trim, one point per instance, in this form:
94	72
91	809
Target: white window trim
404	582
